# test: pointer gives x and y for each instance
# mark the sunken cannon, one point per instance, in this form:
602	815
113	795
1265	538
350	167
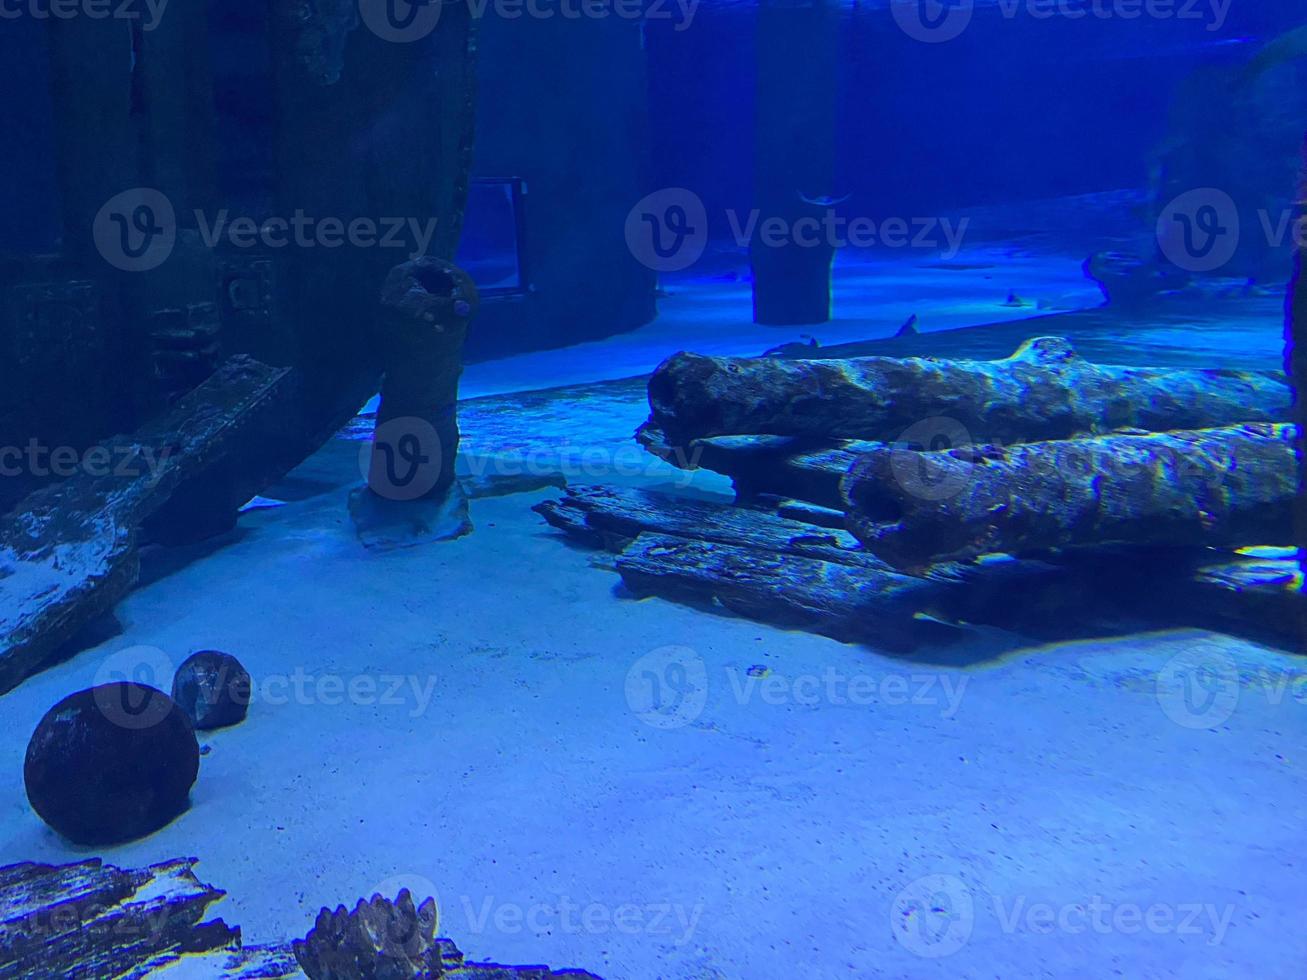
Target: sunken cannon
793	427
1043	391
1228	487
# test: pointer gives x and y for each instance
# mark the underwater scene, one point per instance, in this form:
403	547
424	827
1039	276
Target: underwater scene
653	489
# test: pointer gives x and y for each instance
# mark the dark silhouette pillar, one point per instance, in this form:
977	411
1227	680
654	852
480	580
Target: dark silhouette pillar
795	149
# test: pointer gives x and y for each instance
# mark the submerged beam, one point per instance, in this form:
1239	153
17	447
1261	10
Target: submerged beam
68	552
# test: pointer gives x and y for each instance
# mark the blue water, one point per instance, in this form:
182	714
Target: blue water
588	750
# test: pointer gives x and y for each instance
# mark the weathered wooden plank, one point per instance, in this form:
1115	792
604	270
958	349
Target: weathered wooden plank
67	553
704	554
793	574
95	921
609	517
847	602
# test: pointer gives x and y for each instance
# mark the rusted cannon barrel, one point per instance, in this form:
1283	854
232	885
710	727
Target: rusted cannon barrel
1229	486
1043	391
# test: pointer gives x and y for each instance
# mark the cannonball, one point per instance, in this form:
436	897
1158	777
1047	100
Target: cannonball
111	763
213	689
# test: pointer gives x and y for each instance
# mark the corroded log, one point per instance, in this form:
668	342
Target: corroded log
68	553
1043	391
1227	486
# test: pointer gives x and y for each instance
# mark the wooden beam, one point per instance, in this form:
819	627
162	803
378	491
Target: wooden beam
67	553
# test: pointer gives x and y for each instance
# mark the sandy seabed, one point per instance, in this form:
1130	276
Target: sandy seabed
649	791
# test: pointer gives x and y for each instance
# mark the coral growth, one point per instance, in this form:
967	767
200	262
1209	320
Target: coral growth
379	940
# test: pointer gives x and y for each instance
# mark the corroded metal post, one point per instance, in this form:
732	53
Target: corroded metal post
412	493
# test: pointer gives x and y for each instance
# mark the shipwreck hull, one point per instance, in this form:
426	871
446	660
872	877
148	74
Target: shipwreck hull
109	346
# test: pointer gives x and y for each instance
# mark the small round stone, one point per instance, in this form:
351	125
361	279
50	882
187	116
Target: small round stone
111	763
213	688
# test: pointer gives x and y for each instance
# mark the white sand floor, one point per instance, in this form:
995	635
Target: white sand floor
477	719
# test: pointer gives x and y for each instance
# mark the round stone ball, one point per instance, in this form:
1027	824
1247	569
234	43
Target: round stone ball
111	763
213	689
